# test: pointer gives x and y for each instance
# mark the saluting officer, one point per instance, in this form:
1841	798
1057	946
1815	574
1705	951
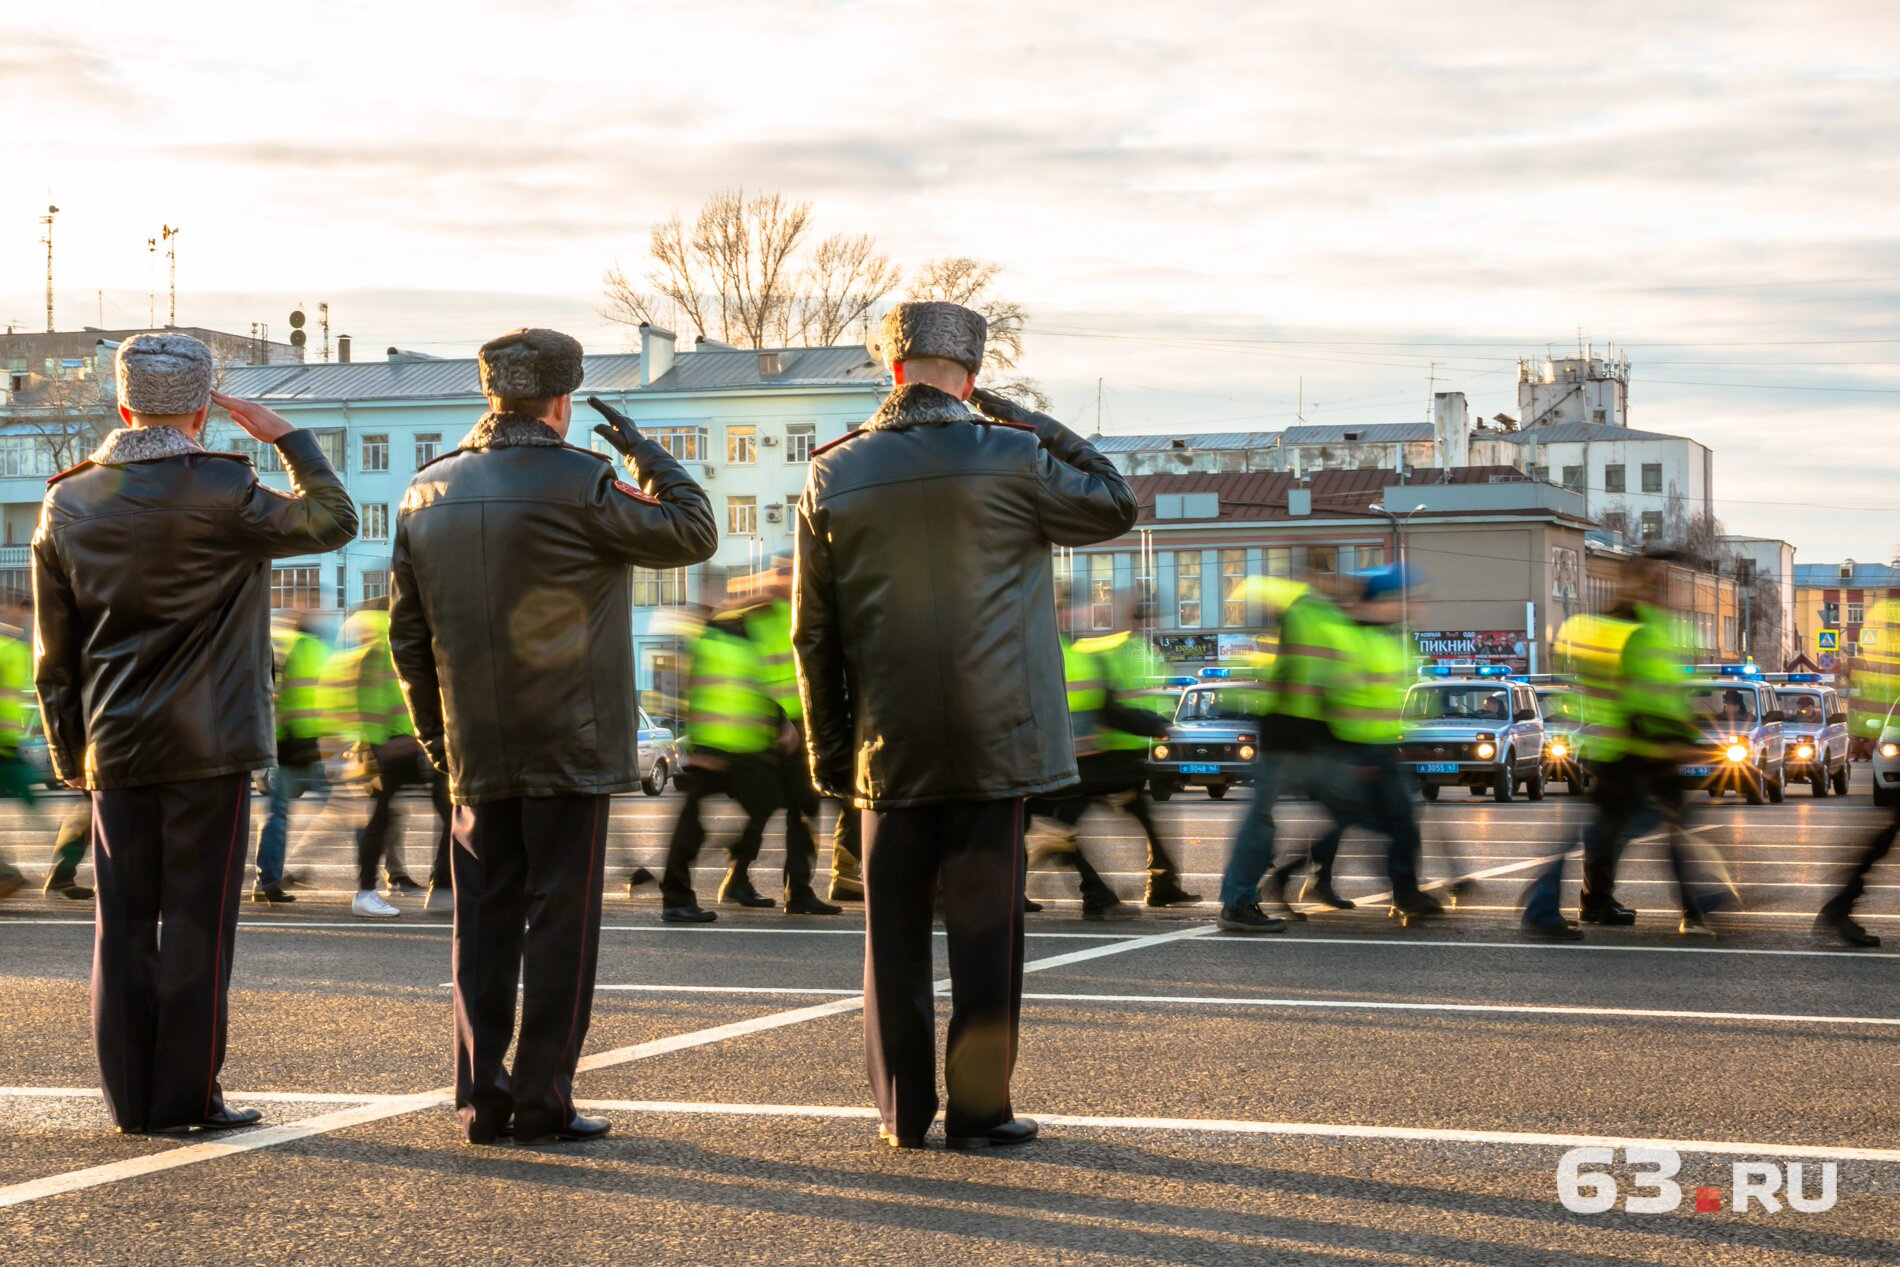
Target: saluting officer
924	623
510	623
151	574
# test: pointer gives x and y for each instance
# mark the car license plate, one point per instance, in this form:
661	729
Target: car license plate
1438	767
1697	771
1199	767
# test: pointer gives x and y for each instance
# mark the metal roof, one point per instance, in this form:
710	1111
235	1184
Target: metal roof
1374	433
1263	494
1572	432
1202	441
1827	576
613	372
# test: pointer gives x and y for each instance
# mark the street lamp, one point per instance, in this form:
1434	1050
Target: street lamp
1398	530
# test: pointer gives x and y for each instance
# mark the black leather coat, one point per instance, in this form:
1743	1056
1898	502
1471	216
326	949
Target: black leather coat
924	612
151	583
510	606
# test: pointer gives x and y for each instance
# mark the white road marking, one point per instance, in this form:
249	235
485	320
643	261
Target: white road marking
259	1097
1415	943
1529	1009
1324	1130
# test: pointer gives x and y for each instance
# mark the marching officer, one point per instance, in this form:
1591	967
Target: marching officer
771	625
16	776
300	657
1876	688
510	624
931	675
154	679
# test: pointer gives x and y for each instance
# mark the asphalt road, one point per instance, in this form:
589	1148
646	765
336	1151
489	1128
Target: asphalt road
1349	1091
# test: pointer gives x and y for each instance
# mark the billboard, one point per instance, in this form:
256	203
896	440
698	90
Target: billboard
1474	646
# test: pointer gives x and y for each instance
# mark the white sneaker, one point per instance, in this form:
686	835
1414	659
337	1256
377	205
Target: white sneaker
367	905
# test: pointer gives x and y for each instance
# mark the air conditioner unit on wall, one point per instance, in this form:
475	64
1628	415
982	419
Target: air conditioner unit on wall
709	472
769	441
773	514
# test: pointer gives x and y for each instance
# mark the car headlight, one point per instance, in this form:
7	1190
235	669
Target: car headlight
1805	752
1486	750
1890	750
1559	749
1161	752
1736	752
1246	752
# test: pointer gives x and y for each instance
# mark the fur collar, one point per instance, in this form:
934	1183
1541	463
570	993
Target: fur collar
918	405
511	431
144	444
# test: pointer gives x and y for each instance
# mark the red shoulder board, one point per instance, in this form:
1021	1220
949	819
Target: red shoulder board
852	434
1019	426
635	493
71	470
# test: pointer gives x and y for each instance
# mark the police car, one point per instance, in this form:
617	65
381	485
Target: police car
1213	739
659	755
1814	730
1561	704
1470	725
1740	723
1886	760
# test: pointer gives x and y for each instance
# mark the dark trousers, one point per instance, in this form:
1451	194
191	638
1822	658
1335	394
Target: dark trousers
538	862
170	863
973	850
1842	903
1631	796
69	847
752	780
800	800
1121	774
847	846
1366	787
376	843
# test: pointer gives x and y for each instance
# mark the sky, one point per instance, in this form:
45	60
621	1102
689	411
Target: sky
1230	215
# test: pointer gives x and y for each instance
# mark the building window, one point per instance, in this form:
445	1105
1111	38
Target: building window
799	438
1613	478
375	521
1361	558
688	444
1599	415
1541	474
1652	524
1187	588
1101	591
742	516
1856	612
1573	478
375	584
300	588
657	588
1652	477
428	447
742	446
1617	521
375	454
1233	588
28	455
1322	558
1279	561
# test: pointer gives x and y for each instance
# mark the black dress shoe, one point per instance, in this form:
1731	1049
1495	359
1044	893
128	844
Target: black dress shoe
1169	892
1016	1131
1116	910
70	891
738	891
222	1120
1418	906
1848	929
686	915
808	903
574	1129
1031	908
886	1135
639	877
10	884
1321	893
1552	930
401	884
271	894
1273	892
1607	913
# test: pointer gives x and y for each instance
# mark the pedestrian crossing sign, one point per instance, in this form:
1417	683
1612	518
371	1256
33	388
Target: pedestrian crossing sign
1869	637
1827	640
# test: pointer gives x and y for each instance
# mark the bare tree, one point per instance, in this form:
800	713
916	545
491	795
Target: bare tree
959	279
74	417
844	277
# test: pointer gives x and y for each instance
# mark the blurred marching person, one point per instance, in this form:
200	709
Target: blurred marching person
1630	664
847	854
1298	751
16	775
1115	713
69	850
741	741
299	656
510	625
359	681
151	579
1876	690
931	673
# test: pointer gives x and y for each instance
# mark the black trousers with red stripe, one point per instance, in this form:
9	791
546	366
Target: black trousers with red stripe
169	859
527	910
974	851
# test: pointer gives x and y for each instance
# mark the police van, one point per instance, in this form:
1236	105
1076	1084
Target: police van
1741	739
1885	761
1561	704
1214	737
1471	725
1814	730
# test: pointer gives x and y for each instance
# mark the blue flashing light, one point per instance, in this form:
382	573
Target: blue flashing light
1178	681
1804	677
1217	673
1493	670
1739	670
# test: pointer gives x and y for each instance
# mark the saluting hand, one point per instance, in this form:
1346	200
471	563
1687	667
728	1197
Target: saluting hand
258	422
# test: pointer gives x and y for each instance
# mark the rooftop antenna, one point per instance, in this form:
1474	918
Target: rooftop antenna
47	220
323	315
1299	408
171	252
1098	406
151	282
1431	389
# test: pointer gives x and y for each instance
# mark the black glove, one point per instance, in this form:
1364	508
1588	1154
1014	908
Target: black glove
1003	409
622	434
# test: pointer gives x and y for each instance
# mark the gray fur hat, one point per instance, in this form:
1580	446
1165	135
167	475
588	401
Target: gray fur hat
165	374
920	328
530	365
